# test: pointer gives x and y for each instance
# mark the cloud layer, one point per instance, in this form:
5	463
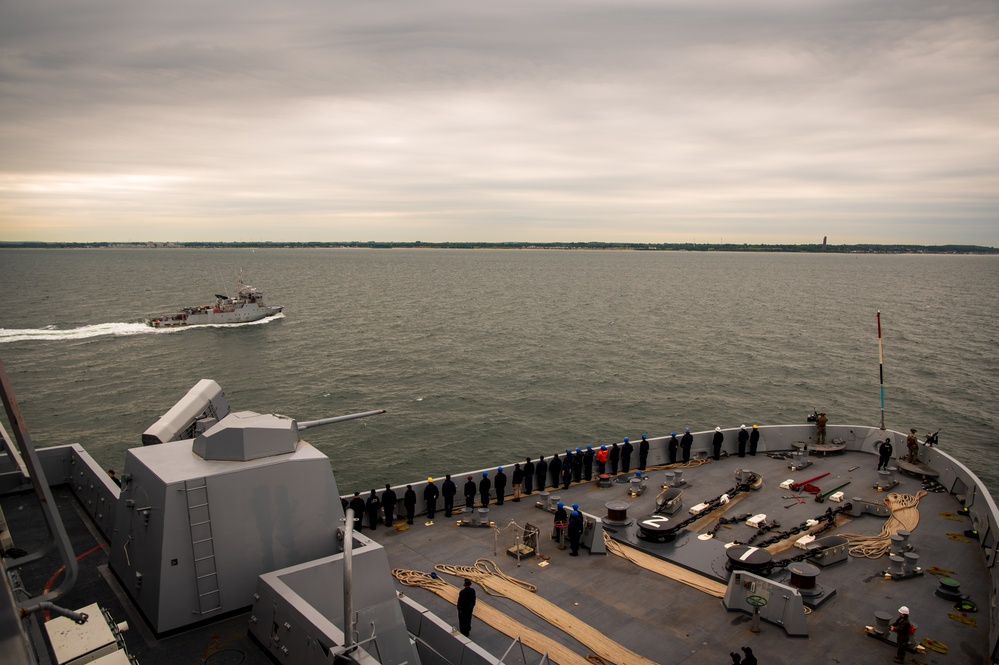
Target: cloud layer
671	121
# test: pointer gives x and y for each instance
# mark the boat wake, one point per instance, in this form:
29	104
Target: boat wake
52	333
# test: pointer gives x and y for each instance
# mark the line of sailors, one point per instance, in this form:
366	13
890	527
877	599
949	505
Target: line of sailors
575	467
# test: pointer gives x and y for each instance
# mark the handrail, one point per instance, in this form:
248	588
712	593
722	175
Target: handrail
57	529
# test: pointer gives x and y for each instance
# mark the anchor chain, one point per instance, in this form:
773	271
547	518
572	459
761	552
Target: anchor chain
713	505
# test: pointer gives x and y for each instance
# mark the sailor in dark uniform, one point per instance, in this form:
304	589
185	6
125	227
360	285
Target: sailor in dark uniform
541	473
754	439
528	476
643	453
430	494
409	501
373	507
626	451
686	441
588	455
577	465
357	505
555	469
469	493
466	603
884	454
615	457
743	440
484	486
500	484
389	500
672	446
517	481
560	521
716	444
575	531
567	471
448	490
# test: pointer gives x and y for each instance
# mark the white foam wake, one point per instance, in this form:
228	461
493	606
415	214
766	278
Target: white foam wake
51	333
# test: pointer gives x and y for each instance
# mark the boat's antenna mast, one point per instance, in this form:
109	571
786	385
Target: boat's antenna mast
881	371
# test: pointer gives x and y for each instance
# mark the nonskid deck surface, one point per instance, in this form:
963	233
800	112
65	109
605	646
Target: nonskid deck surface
659	618
669	622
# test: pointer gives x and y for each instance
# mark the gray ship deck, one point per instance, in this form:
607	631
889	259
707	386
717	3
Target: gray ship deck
672	623
662	619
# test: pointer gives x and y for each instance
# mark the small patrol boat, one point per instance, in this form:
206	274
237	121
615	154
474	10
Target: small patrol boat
246	306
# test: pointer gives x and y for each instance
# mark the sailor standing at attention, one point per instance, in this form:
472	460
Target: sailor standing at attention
686	441
466	603
484	486
389	500
602	461
577	465
614	457
373	507
716	444
567	471
469	492
754	439
357	505
516	481
448	490
643	453
541	473
588	456
528	476
743	440
430	494
884	454
575	531
626	451
409	501
499	482
555	470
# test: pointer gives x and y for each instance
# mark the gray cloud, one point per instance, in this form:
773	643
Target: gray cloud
632	121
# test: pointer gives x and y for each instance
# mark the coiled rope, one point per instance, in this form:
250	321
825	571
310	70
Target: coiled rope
489	576
488	614
904	516
664	568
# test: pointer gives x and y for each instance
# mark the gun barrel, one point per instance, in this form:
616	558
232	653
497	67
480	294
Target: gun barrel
338	419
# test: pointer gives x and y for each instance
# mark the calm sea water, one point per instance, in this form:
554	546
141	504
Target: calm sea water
484	356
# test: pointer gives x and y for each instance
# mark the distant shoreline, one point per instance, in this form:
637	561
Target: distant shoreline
645	247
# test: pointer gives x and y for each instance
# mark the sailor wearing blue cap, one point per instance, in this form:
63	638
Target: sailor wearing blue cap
575	530
672	446
602	461
577	465
588	463
484	486
643	452
500	484
567	469
561	519
626	451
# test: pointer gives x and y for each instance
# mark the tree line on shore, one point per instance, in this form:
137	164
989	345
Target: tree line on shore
675	247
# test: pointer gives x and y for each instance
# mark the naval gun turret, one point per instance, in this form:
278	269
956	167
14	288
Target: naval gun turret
200	517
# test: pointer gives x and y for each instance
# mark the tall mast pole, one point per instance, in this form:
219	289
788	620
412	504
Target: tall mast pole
881	371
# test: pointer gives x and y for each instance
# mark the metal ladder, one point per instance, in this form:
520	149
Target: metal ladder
203	546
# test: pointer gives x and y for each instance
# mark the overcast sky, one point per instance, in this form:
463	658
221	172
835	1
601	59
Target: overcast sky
759	121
